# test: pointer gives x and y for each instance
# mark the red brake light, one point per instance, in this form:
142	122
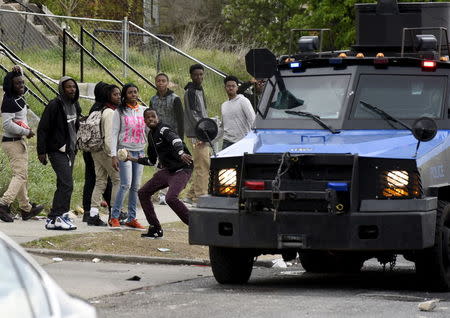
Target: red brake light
255	185
429	65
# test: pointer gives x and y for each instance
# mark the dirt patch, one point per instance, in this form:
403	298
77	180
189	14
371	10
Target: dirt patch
127	242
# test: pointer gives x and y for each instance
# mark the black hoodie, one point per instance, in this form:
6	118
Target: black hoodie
101	97
53	130
165	144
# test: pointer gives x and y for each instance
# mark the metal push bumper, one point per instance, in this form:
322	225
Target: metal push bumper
373	228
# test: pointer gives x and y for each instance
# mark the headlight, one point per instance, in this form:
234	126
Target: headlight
396	183
227	181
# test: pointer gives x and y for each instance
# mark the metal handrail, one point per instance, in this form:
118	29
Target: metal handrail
220	73
39	76
68	35
60	16
39	99
15	59
118	57
161	36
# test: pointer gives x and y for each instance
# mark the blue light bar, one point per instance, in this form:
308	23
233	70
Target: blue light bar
295	64
335	61
338	186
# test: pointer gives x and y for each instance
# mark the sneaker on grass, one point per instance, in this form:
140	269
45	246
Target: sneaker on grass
5	214
63	223
35	210
114	224
162	199
123	216
153	233
95	221
134	225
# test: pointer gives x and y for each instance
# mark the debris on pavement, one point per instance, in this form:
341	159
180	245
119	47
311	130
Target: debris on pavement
96	260
78	210
134	278
428	305
57	259
50	243
163	249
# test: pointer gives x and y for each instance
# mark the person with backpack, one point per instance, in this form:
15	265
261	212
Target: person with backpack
176	168
168	106
99	126
89	167
128	133
15	127
56	140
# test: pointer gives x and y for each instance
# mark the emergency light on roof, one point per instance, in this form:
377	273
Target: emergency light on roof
335	61
380	61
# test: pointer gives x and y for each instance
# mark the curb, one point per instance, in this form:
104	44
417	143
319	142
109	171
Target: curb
129	258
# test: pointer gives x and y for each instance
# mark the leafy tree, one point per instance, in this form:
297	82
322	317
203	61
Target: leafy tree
268	22
260	22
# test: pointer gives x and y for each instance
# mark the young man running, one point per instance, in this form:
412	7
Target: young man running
175	171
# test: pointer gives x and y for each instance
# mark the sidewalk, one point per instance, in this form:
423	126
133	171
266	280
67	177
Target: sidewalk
26	231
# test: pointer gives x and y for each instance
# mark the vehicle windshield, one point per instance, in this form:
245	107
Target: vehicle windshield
320	95
401	96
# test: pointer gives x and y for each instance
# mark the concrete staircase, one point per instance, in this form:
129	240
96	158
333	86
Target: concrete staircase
40	31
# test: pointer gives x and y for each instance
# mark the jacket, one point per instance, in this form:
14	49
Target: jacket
164	144
14	110
169	110
194	108
53	130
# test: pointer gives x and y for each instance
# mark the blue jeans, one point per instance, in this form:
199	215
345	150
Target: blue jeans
130	178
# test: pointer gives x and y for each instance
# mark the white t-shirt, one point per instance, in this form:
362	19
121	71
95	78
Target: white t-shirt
237	118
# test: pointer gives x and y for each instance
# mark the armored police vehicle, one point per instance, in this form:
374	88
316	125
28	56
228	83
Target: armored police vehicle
349	156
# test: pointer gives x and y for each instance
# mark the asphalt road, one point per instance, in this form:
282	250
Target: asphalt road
282	292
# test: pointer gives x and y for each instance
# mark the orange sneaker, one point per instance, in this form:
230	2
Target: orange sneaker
114	224
135	225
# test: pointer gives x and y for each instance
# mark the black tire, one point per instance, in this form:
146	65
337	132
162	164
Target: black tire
327	262
231	265
433	264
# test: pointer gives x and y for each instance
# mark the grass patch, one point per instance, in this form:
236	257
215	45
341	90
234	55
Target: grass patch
127	242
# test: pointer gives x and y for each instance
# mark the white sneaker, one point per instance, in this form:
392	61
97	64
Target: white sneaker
50	224
162	199
64	223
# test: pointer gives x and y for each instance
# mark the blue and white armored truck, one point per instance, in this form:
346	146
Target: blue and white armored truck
349	156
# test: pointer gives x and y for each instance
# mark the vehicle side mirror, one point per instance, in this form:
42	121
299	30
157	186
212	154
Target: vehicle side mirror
206	130
261	63
424	129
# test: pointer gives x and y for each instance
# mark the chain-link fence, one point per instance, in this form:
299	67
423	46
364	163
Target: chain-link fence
37	40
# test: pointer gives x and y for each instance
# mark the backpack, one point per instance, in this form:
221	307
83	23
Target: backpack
89	135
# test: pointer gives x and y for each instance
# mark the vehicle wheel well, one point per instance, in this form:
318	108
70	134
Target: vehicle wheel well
443	193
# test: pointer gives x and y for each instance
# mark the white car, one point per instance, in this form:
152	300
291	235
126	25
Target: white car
27	291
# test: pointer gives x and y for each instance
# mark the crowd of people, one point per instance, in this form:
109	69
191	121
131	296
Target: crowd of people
114	165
